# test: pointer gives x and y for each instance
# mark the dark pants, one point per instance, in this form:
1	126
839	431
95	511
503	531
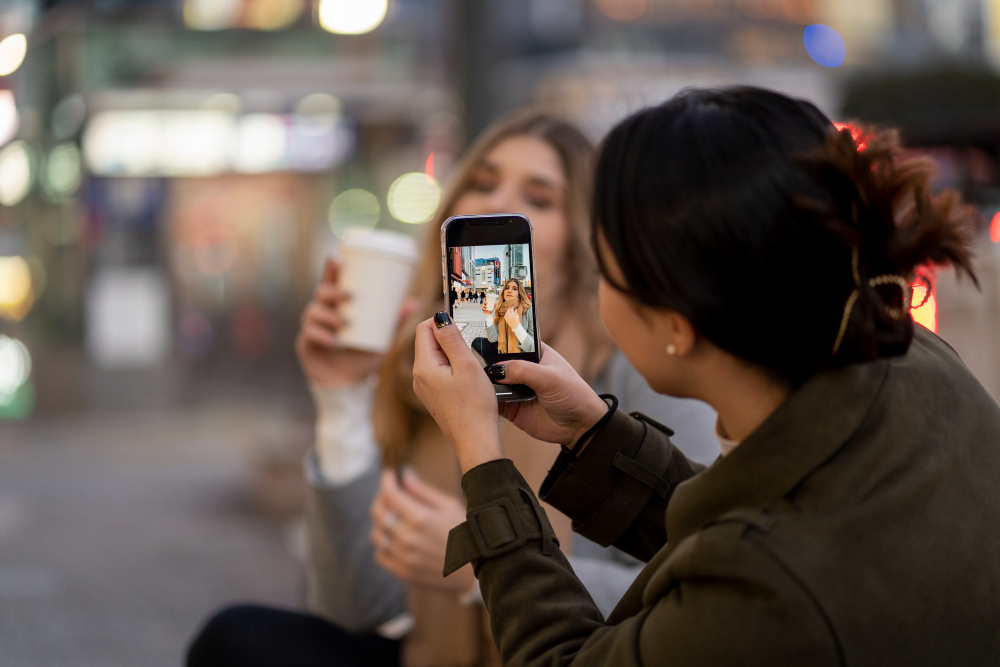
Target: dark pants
256	636
483	347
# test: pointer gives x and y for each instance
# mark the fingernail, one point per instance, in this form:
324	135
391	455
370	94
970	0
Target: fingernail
442	319
496	372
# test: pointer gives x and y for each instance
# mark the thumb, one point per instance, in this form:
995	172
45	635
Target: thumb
449	338
331	270
536	376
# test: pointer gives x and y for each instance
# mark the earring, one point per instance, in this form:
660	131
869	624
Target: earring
671	349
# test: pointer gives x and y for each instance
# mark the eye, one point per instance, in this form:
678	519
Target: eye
483	181
541	203
540	196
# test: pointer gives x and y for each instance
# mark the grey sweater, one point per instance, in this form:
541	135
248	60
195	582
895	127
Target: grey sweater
348	588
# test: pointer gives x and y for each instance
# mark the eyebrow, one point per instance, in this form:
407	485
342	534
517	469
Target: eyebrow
534	180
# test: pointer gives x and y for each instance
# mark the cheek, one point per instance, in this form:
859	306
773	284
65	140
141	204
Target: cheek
631	333
551	235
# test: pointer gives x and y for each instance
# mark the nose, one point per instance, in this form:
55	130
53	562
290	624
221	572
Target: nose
503	199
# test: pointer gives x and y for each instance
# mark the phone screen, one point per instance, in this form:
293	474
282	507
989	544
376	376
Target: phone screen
492	301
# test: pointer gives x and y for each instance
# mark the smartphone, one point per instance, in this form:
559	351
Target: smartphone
489	290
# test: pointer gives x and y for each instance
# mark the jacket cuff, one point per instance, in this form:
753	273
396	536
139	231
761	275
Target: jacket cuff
503	516
606	487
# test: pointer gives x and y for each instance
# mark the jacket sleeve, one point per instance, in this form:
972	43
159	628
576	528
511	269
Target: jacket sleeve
616	490
726	602
344	583
528	322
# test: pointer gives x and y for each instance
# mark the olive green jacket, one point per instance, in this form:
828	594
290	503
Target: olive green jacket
859	525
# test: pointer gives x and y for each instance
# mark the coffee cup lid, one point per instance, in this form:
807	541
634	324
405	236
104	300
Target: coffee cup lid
382	241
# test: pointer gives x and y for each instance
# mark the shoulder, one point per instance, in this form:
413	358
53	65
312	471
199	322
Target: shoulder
722	598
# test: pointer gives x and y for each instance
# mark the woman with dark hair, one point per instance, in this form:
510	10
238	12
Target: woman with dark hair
754	258
378	597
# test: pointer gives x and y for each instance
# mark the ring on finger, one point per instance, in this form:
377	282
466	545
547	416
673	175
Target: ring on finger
388	521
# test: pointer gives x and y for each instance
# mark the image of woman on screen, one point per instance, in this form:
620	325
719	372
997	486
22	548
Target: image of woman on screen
510	328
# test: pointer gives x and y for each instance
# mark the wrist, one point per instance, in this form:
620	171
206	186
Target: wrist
477	450
594	411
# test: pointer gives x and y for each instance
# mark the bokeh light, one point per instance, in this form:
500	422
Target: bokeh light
226	102
9	120
273	14
211	14
261	141
15	366
352	17
856	133
353	209
193	143
319	104
16	294
63	171
622	10
995	228
824	45
414	197
13	48
15	173
154	143
925	311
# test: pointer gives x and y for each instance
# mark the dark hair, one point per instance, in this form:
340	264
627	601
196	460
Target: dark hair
740	208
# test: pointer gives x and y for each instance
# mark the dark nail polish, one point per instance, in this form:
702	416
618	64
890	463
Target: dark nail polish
496	372
442	319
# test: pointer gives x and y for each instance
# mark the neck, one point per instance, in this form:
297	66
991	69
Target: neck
743	396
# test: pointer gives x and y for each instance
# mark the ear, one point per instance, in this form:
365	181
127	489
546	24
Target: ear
680	331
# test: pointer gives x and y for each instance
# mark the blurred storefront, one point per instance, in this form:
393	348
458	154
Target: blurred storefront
173	171
180	169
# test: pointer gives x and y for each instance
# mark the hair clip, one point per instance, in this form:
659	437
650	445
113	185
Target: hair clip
887	279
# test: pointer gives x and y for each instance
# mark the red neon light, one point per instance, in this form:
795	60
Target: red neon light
926	313
856	134
429	167
995	228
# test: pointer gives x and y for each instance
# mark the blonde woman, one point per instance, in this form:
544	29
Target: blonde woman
510	326
377	540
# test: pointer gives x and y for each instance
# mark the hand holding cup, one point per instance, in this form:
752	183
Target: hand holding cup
323	359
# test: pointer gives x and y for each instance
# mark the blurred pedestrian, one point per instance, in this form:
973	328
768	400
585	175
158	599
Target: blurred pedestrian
358	517
853	517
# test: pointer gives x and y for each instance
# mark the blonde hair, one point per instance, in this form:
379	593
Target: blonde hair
396	409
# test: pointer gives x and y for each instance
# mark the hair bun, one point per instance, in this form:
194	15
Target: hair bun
886	213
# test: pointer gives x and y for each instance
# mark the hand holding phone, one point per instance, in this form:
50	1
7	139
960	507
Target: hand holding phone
493	253
449	380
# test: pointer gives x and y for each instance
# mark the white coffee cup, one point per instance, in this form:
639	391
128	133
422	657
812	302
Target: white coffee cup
376	267
491	300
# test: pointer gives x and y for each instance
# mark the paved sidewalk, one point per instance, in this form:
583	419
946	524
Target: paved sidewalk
120	533
470	320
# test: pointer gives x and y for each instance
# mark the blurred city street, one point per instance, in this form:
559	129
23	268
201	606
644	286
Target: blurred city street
174	174
120	533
